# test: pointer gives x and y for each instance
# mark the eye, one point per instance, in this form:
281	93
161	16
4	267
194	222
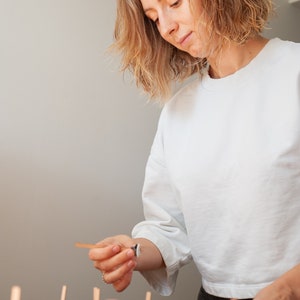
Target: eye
176	3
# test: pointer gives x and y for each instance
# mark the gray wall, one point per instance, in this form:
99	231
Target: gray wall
74	139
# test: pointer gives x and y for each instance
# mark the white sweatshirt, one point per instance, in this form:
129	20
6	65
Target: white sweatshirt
222	183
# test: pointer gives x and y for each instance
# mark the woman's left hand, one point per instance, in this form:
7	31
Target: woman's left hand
275	291
286	287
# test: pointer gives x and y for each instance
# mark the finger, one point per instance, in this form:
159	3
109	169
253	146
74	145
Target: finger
105	252
113	276
113	262
123	283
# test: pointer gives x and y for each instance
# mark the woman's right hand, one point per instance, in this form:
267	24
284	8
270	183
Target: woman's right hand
115	260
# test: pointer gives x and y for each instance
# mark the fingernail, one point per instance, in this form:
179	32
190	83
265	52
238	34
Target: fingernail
130	253
131	264
116	249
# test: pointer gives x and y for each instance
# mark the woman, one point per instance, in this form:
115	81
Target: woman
222	183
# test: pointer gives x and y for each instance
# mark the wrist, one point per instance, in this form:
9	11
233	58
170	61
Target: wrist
148	255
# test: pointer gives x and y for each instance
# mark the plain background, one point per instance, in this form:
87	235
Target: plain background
74	139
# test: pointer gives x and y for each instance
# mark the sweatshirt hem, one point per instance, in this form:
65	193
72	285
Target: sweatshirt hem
243	291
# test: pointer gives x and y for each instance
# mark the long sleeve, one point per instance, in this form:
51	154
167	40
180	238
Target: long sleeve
164	222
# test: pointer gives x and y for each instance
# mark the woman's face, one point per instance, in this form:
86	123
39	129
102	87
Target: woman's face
178	25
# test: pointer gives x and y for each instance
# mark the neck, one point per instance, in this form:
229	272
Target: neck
233	57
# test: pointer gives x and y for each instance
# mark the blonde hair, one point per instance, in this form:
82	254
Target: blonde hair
155	63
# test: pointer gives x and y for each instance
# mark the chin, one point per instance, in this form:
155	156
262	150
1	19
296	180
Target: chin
197	53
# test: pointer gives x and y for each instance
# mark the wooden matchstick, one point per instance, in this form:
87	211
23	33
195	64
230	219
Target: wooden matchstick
135	248
87	246
148	296
15	293
96	295
63	293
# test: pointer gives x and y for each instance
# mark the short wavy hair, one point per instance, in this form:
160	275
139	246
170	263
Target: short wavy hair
155	63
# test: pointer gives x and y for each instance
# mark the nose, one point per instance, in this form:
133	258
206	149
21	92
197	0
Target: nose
167	26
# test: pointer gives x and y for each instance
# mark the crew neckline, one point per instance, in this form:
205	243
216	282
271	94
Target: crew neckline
244	73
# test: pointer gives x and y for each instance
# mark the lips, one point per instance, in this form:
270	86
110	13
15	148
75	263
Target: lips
184	38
